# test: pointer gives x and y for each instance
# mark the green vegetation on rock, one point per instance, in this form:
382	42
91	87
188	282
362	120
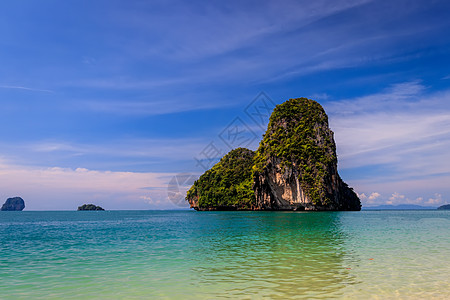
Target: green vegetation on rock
299	136
89	207
227	185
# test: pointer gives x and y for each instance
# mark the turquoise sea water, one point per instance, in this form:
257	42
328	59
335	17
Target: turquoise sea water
243	255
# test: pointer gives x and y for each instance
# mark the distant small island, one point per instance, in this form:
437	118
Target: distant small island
13	204
399	207
89	207
445	206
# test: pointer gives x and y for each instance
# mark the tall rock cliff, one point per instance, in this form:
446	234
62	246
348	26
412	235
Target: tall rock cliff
295	166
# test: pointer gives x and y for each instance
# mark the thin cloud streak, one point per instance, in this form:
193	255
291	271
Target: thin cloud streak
218	51
224	28
150	107
399	120
15	87
157	148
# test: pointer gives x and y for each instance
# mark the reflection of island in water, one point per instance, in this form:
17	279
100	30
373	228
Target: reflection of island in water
274	255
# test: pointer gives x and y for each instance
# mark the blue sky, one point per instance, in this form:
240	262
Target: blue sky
109	101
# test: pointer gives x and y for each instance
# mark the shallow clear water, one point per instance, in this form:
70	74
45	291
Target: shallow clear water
249	255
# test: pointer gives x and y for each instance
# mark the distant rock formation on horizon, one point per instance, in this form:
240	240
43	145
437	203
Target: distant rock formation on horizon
89	207
444	207
399	207
294	168
13	204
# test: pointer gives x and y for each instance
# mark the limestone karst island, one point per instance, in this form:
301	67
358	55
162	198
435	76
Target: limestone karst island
444	207
13	204
294	168
90	207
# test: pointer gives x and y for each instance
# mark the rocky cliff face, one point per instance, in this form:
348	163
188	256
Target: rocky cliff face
13	204
296	165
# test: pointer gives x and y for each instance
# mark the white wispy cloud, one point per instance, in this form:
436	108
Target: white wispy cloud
319	96
369	200
164	148
374	196
403	130
397	198
392	127
223	42
17	87
220	28
436	200
121	82
151	107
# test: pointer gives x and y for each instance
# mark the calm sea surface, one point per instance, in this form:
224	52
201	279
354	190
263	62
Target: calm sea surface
243	255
